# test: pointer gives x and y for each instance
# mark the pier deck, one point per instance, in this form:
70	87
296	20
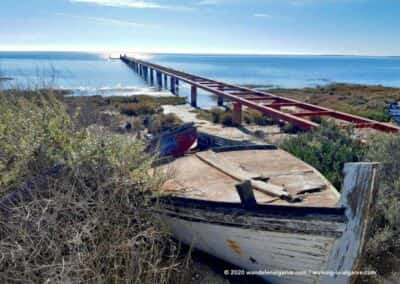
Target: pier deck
286	109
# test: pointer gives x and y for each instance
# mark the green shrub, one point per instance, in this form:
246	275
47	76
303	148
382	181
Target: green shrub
226	119
326	149
383	247
136	109
258	118
161	122
291	128
89	217
214	115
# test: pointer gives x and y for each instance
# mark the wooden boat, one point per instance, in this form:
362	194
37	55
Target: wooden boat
267	212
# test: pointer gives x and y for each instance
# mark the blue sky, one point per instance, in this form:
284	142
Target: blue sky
365	27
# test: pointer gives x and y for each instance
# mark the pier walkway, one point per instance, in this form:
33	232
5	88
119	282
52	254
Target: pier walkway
277	107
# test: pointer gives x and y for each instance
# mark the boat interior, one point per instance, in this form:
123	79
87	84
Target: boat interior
276	177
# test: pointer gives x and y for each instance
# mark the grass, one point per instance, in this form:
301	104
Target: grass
89	216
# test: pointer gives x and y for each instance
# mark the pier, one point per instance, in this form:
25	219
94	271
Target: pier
299	113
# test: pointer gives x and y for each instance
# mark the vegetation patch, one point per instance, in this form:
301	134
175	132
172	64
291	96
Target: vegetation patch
383	247
224	117
327	149
86	212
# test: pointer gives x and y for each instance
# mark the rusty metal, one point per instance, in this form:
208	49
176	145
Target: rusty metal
250	98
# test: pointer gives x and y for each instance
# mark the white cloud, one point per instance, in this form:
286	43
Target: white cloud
306	2
109	21
133	4
209	2
262	15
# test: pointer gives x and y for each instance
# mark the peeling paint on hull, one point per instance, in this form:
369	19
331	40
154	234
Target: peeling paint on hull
256	250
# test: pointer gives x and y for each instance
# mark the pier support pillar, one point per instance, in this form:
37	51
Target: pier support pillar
172	85
237	114
193	96
176	87
166	81
159	80
151	77
146	71
220	101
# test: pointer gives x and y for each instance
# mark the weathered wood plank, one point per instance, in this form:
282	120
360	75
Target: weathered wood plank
225	166
358	197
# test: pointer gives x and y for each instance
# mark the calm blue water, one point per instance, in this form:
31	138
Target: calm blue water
90	74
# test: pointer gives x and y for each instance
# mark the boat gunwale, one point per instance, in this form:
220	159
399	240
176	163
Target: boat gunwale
277	210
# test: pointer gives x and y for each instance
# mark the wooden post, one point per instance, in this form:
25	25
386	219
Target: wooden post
172	85
246	194
193	96
220	101
237	114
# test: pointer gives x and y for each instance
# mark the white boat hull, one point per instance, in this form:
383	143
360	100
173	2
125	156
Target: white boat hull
258	252
303	244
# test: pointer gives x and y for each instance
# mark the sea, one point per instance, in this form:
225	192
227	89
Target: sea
97	74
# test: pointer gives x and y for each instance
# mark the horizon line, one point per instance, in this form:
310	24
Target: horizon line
111	52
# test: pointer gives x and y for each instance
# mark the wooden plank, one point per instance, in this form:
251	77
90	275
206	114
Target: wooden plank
217	162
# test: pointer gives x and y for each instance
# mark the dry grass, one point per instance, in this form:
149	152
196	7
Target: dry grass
76	204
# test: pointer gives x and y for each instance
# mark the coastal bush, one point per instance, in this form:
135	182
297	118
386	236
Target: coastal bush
383	247
221	116
291	128
213	115
161	122
136	109
143	105
258	118
226	119
326	149
85	216
159	101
